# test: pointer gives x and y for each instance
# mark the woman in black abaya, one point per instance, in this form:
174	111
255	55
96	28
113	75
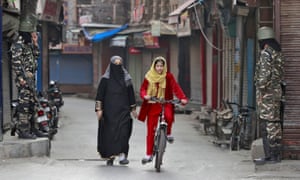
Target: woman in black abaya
115	101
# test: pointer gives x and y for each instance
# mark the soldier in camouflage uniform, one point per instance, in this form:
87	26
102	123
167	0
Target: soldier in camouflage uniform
268	77
25	52
24	64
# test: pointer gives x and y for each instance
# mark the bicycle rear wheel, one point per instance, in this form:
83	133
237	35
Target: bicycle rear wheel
234	139
162	139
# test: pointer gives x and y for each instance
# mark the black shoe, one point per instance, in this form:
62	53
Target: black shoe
170	139
110	162
26	135
146	160
13	131
269	160
124	162
274	159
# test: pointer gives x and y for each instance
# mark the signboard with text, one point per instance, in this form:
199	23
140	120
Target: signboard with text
150	41
184	27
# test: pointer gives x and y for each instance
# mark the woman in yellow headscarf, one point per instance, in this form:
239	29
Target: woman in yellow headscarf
161	84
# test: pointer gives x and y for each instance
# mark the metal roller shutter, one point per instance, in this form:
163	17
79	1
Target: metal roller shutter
228	67
290	41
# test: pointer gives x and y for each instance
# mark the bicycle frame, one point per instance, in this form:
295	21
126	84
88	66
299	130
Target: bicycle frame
160	141
160	138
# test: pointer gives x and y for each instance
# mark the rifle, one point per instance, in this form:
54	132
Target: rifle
31	85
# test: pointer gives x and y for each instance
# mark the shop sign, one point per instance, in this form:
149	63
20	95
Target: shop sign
133	50
155	28
119	41
184	27
150	41
51	10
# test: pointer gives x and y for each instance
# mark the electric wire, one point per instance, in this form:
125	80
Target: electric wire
204	35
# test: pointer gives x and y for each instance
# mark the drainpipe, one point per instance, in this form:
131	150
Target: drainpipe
1	89
250	71
39	73
214	89
242	59
203	69
44	57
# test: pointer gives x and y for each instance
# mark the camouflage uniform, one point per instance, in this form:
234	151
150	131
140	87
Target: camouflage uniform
268	78
24	64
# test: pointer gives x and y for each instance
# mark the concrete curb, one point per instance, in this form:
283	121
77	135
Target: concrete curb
13	147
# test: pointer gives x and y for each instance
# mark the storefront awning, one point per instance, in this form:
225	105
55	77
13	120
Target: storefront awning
173	16
100	32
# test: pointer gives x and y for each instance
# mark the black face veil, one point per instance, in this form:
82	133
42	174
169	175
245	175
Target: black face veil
117	73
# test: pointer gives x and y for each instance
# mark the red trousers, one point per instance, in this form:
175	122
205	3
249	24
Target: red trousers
151	127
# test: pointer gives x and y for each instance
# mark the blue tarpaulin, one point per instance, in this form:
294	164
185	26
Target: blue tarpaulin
103	35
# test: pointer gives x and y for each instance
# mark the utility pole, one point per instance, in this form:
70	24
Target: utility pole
1	89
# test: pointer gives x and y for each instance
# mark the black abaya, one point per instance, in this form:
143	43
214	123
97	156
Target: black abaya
115	127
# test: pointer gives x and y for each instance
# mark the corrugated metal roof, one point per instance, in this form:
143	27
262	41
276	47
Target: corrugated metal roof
100	25
290	43
131	30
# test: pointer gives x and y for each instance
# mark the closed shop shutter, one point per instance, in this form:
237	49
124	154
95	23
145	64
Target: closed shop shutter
290	41
228	67
71	69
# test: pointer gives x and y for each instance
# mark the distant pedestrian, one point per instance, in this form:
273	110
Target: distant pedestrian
161	84
115	101
268	78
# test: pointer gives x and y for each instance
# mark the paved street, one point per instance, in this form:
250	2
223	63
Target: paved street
74	156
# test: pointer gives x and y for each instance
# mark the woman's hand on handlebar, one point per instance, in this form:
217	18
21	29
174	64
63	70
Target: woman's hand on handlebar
147	97
184	101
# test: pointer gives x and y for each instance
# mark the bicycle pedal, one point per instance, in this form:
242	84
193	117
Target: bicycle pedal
170	139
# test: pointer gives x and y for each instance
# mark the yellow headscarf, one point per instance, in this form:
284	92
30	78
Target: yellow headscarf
153	77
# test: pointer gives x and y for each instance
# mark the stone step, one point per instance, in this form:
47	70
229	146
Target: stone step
13	147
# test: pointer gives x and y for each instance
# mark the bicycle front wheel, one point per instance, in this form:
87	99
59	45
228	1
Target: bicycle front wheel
162	139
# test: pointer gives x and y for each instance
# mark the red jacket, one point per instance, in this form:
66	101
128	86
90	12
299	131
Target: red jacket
172	88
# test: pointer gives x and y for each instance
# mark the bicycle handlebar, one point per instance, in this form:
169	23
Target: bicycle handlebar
163	101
